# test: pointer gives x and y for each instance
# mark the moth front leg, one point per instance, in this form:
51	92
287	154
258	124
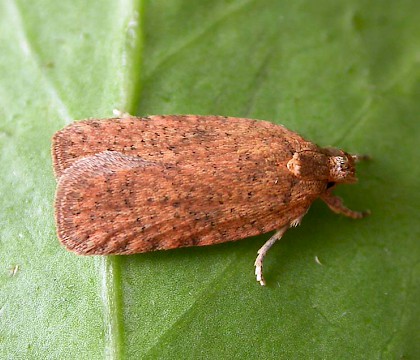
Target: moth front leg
335	203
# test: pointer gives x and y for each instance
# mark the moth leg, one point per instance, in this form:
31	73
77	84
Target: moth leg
296	222
335	203
263	251
121	114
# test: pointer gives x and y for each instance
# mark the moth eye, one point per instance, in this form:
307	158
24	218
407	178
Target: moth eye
330	184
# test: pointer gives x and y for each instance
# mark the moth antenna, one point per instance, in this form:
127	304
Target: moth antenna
361	157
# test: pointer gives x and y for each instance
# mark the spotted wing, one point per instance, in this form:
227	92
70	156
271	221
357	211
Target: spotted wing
111	203
174	139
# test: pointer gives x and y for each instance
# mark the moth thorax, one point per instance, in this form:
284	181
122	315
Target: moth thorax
309	165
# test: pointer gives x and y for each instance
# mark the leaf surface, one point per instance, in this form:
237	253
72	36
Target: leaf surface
343	74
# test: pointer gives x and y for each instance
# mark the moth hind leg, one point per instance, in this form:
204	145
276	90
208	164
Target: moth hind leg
269	243
263	251
122	114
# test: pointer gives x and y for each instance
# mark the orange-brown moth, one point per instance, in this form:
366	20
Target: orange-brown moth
132	185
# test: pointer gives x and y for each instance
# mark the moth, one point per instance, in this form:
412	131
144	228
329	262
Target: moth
132	185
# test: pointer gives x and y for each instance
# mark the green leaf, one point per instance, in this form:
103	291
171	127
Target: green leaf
341	73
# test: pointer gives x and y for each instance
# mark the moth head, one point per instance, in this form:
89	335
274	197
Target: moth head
342	166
